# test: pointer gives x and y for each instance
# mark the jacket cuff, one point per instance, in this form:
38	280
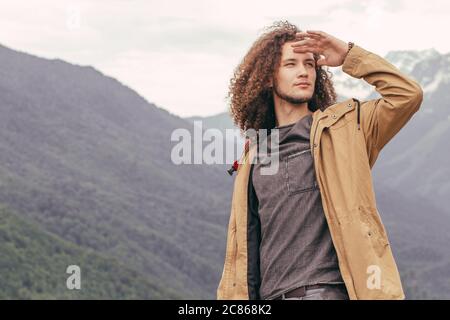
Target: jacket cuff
353	58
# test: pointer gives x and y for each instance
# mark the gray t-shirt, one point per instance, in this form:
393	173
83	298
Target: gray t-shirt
296	247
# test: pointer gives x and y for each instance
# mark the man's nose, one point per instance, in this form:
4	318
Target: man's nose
302	72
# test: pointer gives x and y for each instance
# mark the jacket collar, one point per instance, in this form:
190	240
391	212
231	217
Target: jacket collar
328	117
334	112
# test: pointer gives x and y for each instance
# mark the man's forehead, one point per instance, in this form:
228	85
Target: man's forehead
288	53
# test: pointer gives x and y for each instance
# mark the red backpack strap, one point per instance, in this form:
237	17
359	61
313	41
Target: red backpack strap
235	165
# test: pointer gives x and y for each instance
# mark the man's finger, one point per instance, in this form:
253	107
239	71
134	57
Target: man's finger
305	49
303	42
316	32
302	35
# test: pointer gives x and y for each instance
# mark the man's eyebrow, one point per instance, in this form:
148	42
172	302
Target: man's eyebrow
295	59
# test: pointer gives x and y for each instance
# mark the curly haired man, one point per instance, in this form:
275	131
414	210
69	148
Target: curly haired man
312	230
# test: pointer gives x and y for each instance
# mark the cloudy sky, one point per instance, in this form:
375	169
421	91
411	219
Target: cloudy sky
180	55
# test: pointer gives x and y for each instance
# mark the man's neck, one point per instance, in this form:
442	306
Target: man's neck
287	113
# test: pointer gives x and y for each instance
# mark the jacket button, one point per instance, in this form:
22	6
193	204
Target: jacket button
349	105
234	284
333	116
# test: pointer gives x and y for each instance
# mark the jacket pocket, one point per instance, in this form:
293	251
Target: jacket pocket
374	229
300	172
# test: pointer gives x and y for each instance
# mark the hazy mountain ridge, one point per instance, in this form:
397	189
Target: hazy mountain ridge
86	159
34	264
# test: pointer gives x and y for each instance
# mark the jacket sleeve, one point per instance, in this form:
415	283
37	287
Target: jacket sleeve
381	119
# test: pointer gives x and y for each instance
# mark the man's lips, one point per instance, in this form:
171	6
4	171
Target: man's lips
303	85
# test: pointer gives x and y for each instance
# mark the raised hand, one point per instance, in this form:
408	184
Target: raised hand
331	48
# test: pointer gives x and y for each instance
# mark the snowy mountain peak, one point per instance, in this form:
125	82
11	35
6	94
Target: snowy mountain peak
429	67
406	60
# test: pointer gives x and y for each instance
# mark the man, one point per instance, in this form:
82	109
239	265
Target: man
312	230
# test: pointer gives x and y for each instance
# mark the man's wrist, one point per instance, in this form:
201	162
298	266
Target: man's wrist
349	47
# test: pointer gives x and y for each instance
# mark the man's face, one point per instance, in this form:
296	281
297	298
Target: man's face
294	69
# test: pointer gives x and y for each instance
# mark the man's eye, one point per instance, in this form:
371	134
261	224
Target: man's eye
290	64
311	64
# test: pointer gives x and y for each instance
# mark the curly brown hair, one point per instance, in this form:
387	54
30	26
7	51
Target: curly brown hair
252	103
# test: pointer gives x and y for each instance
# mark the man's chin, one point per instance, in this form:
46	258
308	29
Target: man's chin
301	99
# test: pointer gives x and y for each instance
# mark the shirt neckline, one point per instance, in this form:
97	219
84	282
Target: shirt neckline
292	124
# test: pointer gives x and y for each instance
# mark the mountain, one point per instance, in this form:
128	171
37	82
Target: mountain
417	230
407	61
221	121
86	178
86	159
34	262
422	167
